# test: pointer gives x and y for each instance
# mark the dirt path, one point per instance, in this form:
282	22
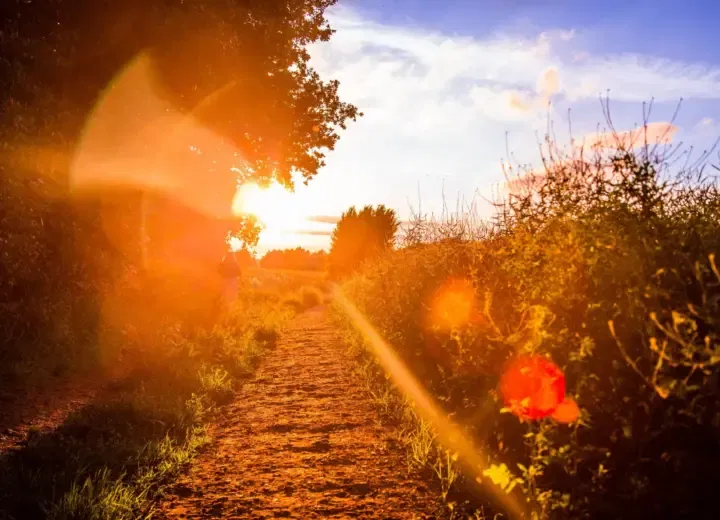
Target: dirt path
301	441
42	409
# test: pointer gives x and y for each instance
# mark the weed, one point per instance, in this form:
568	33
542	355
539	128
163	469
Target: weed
311	297
216	382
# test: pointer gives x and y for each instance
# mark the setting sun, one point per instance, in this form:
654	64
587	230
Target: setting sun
279	210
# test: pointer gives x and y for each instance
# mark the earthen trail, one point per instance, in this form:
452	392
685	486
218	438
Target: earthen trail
301	440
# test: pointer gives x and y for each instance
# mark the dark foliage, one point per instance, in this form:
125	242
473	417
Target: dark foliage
61	257
361	236
297	259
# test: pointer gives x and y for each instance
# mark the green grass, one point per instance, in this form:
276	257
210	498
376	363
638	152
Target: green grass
109	459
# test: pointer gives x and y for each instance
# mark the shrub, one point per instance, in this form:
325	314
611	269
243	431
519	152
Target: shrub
608	267
361	236
296	259
311	297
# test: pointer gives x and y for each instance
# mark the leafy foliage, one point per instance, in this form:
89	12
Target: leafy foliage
246	229
61	54
62	259
361	236
607	266
298	258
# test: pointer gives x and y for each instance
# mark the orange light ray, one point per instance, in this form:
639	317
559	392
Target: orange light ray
136	138
450	435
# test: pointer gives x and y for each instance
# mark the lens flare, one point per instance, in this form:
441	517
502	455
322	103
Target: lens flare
452	305
135	138
450	435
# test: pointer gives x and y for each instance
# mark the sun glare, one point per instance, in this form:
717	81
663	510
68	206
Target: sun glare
235	243
278	210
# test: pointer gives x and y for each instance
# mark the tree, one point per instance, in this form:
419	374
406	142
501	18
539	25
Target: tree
297	259
59	55
239	68
361	236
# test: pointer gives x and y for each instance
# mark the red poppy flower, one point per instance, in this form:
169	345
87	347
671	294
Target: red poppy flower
566	412
532	387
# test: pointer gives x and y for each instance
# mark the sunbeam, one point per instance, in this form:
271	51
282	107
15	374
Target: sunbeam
450	435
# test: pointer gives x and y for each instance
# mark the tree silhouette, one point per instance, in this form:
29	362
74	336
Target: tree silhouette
298	259
239	67
360	236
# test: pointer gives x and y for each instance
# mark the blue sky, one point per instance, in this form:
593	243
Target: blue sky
442	83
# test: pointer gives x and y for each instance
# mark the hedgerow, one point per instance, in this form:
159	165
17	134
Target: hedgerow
605	263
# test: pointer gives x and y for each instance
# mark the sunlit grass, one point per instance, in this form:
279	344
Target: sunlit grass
111	458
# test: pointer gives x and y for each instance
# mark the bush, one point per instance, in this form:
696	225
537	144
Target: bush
311	297
305	298
359	237
295	259
607	266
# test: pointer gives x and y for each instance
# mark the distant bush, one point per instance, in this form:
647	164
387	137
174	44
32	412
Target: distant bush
606	264
294	259
304	298
311	297
360	236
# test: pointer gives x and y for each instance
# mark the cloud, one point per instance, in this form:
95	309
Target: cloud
324	219
519	102
706	122
523	183
417	61
652	134
707	126
548	84
442	110
424	92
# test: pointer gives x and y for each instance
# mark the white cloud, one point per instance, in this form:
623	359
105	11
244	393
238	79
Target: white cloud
637	78
706	125
706	121
417	61
437	106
